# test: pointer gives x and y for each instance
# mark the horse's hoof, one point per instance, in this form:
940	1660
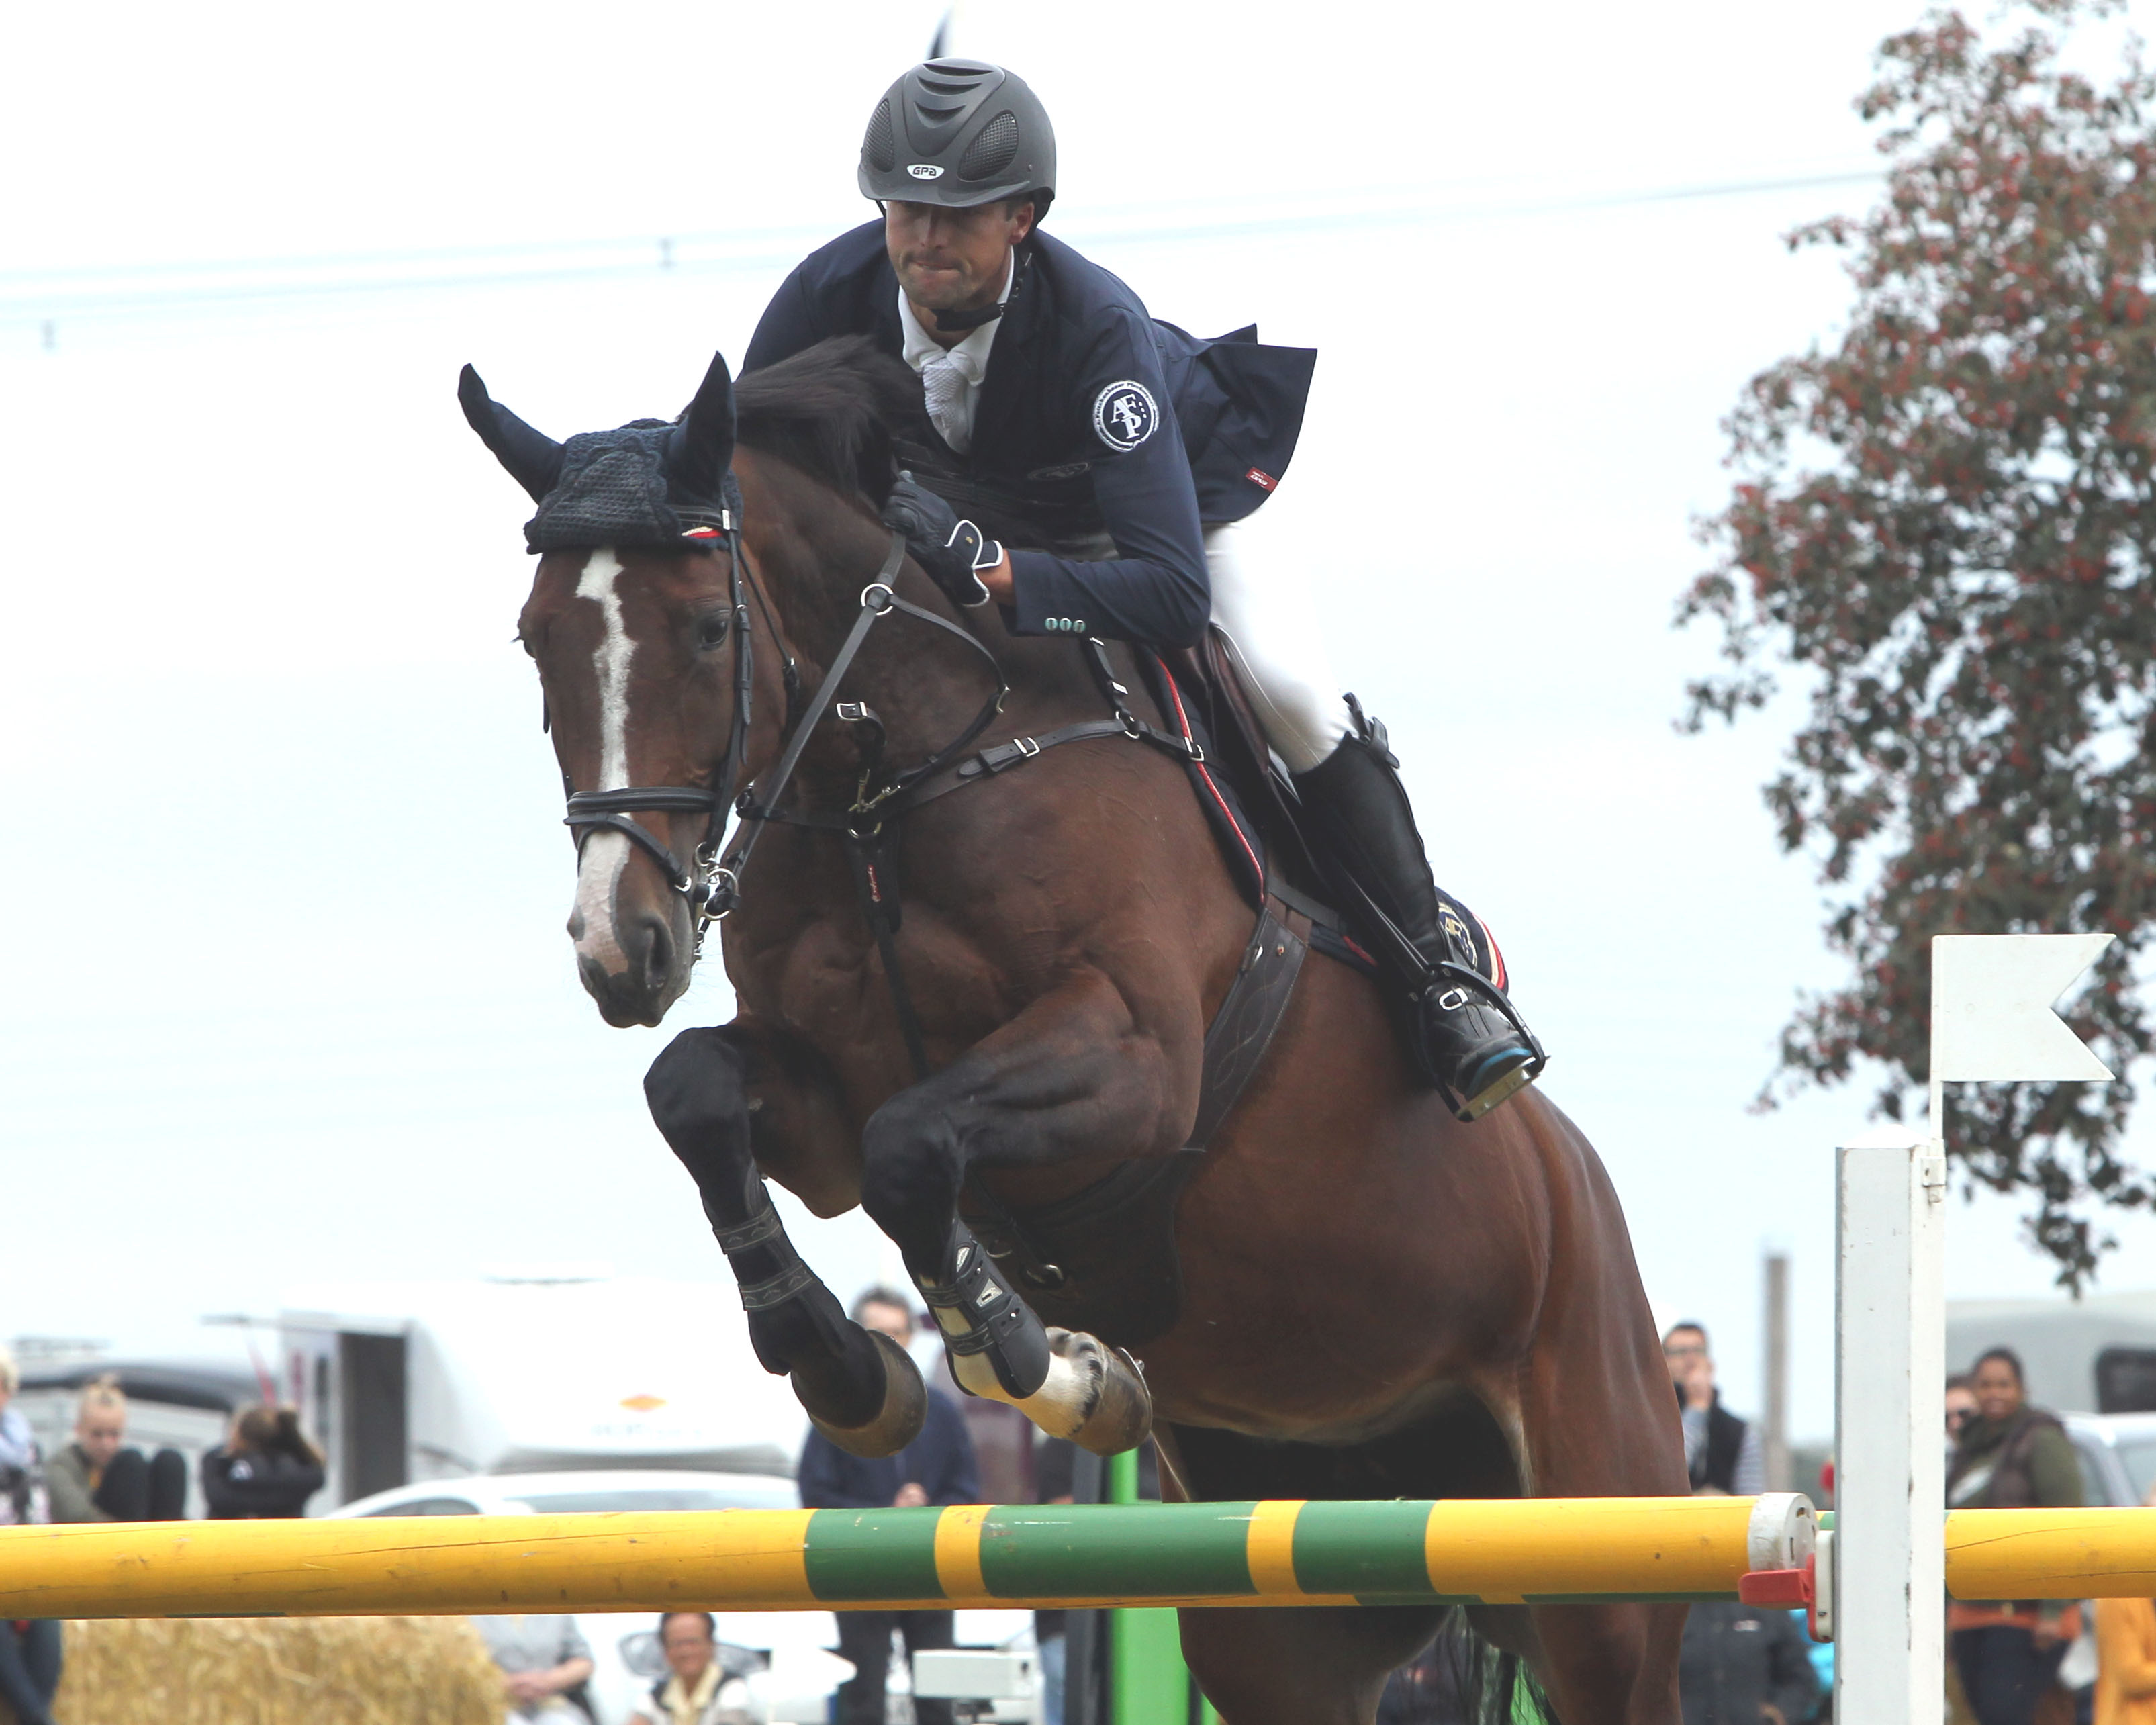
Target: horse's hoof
898	1422
1117	1415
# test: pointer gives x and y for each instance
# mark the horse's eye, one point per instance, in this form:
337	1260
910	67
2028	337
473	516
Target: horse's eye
711	629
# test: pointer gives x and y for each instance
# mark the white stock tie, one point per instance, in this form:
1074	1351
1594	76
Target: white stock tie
945	386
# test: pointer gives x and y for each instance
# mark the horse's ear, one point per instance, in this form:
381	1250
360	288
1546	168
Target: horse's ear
703	446
533	459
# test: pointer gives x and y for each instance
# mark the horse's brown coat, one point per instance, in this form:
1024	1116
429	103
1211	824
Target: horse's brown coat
1380	1300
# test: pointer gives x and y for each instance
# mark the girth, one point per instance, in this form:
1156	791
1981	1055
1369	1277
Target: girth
1105	1259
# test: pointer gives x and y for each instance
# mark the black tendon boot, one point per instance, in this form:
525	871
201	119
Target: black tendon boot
979	1315
1469	1042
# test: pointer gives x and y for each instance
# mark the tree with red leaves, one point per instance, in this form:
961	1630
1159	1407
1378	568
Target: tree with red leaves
1946	521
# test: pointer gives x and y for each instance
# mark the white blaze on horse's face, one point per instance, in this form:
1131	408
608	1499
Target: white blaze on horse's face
605	956
605	855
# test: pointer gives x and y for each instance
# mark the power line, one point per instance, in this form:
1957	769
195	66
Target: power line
44	297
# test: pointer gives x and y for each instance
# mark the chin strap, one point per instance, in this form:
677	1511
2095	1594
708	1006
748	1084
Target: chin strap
972	320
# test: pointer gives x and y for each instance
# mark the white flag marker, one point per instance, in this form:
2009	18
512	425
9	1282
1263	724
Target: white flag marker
1991	1007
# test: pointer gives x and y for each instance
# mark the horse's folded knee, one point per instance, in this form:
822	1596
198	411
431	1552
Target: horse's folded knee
697	1091
911	1167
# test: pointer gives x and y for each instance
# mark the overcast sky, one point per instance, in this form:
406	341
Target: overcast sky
288	994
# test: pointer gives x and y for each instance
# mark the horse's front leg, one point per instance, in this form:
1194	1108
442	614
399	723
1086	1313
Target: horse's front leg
725	1099
1071	1078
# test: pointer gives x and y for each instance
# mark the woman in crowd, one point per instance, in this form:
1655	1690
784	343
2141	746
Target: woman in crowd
93	1479
266	1468
1961	1408
29	1650
544	1661
2011	1456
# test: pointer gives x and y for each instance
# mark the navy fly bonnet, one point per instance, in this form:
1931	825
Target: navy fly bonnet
647	483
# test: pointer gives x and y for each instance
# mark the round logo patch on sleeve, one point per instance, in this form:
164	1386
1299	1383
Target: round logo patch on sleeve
1124	415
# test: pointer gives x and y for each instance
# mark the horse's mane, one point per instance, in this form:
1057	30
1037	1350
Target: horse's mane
831	411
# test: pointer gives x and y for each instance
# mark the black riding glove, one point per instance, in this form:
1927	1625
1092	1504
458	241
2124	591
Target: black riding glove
950	549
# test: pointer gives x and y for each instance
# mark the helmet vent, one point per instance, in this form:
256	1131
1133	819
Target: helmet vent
880	148
990	153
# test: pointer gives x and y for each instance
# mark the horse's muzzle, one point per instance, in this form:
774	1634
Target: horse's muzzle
654	972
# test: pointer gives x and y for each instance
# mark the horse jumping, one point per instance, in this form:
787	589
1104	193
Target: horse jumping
1366	1297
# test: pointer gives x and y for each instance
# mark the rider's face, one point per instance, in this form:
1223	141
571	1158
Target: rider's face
952	259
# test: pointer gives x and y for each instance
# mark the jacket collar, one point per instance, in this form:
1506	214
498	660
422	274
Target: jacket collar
1024	314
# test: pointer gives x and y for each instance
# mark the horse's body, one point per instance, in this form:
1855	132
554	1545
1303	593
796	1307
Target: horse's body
1379	1300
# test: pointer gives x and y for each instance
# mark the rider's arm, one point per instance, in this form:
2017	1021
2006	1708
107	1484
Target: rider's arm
1155	589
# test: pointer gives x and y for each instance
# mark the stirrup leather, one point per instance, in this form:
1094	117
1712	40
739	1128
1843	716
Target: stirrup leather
978	1313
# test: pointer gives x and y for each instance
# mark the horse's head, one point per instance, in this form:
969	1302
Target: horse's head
634	621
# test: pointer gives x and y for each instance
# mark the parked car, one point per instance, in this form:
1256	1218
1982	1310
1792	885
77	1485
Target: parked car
781	1661
2117	1453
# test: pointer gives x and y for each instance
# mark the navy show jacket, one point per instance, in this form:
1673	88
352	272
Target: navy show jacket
1093	419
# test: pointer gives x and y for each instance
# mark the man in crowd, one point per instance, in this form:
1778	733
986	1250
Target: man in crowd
936	1467
1720	1451
1745	1665
688	1694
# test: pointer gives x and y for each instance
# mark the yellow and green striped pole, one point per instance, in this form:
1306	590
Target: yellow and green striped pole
1272	1553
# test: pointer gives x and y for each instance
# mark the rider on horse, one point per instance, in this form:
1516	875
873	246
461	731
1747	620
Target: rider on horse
1114	453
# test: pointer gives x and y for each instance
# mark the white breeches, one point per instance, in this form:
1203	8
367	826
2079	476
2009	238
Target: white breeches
1261	605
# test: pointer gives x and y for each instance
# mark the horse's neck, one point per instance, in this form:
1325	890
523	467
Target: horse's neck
923	685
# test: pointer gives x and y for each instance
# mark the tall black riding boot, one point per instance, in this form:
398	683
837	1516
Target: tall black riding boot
1469	1041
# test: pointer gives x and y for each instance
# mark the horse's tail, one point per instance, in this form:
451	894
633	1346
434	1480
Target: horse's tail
1493	1686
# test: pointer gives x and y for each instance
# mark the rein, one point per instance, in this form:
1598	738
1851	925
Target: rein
712	881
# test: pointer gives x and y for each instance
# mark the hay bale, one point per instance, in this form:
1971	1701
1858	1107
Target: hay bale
277	1670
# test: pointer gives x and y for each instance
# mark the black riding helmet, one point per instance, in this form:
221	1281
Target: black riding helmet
959	133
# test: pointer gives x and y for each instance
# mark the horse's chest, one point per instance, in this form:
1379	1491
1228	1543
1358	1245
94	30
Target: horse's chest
830	987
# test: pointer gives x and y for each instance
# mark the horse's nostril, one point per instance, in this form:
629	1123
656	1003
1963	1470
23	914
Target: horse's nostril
657	954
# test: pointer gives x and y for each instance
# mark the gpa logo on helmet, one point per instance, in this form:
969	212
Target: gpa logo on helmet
1124	415
924	170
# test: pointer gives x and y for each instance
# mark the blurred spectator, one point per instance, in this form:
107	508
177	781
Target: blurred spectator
95	1480
1720	1451
542	1657
936	1467
2125	1659
29	1649
266	1468
689	1694
1742	1665
2011	1456
1961	1408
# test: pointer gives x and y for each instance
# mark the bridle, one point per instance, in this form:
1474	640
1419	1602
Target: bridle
711	880
616	810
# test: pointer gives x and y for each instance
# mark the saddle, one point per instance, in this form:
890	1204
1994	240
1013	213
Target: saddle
1104	1260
